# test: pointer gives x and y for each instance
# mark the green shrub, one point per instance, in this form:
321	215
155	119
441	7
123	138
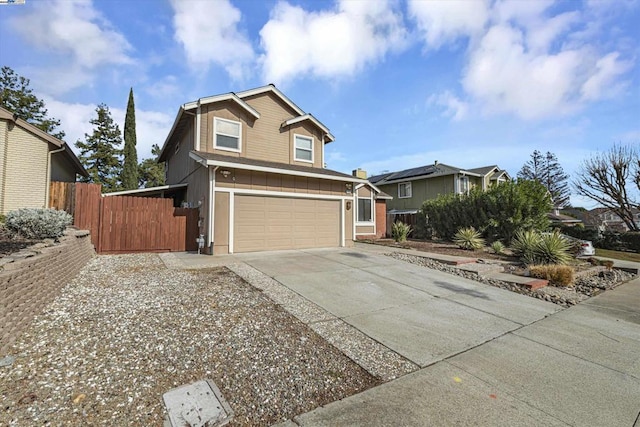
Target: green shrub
559	275
3	219
400	231
631	241
497	247
37	223
468	238
497	213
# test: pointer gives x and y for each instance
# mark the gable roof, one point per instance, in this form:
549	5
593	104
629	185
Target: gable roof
39	133
484	170
181	121
421	172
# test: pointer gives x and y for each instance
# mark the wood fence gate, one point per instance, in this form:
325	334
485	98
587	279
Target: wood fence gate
123	224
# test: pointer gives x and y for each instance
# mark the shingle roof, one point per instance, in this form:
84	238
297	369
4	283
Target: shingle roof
483	170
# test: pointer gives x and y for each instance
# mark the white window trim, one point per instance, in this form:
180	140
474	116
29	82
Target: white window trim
295	148
373	211
410	192
215	135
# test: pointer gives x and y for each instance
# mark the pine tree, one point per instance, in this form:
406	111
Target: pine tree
547	170
151	172
100	153
17	97
130	168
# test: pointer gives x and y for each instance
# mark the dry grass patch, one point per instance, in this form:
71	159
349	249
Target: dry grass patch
558	275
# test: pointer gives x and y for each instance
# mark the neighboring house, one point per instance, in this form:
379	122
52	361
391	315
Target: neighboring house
411	187
606	220
29	160
253	162
557	219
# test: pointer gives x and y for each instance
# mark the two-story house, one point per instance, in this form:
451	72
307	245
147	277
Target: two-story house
253	162
411	187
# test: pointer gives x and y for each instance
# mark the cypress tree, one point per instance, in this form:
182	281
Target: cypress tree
130	168
100	152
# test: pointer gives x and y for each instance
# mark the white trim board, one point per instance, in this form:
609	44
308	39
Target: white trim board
249	191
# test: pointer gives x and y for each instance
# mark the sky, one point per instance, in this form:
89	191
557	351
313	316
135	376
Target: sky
399	83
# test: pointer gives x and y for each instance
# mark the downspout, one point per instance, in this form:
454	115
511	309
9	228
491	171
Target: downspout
198	122
46	196
212	203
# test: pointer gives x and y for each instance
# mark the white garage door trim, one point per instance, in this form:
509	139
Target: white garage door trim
233	191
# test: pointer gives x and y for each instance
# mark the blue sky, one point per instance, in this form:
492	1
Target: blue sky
399	83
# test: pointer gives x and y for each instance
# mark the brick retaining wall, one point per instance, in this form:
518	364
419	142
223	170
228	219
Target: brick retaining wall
32	278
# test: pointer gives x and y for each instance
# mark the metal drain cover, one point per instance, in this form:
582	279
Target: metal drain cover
199	404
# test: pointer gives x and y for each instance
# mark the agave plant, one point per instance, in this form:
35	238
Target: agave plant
468	238
497	247
400	231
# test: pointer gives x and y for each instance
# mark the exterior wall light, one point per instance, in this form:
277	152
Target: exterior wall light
225	173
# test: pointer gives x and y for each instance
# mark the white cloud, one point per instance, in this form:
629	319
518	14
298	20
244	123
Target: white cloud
453	106
209	33
152	127
76	31
73	27
604	81
333	43
440	22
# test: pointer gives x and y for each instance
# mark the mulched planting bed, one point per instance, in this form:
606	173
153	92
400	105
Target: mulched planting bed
127	330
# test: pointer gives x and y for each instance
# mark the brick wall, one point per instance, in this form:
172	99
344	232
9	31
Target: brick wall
28	284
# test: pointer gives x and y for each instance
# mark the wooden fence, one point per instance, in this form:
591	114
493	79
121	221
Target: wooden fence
123	224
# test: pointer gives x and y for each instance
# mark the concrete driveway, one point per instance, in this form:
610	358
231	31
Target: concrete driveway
489	356
424	315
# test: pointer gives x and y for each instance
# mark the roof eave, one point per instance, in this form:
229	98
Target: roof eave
220	163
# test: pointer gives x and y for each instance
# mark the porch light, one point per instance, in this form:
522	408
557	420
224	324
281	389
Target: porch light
348	188
225	173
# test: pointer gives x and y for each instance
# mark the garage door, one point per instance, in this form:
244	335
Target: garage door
274	223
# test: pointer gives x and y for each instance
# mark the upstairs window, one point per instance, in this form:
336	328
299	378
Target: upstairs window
364	209
404	190
227	134
303	148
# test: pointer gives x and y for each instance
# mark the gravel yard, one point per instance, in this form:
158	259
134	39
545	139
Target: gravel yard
127	330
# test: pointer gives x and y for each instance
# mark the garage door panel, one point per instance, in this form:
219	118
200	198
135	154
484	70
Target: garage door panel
273	223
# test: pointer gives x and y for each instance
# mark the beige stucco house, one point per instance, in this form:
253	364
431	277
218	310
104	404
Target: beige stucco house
253	162
29	160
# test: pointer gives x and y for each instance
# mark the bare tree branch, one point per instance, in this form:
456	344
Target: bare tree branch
605	178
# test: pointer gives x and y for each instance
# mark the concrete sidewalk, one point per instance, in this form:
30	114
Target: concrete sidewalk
580	367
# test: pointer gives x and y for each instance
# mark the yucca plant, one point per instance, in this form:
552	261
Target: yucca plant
497	247
468	238
553	249
400	231
524	245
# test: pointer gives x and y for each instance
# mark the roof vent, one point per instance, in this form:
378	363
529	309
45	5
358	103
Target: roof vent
435	163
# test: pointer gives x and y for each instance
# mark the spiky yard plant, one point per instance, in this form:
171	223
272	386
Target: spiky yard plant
497	247
468	238
524	245
553	248
400	231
